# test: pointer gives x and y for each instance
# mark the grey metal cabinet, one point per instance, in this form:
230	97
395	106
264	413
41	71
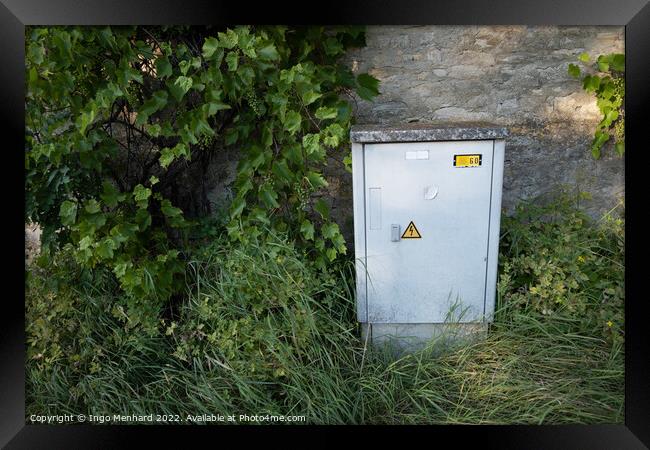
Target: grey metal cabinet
427	203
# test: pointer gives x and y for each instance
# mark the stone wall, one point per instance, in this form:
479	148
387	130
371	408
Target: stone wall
508	75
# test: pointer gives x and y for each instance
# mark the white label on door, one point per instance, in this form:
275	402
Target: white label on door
420	154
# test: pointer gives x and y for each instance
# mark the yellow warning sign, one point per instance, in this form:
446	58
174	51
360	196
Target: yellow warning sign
411	232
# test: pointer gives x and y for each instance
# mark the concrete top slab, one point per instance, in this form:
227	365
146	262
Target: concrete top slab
421	132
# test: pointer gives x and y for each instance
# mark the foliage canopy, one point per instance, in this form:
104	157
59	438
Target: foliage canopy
117	116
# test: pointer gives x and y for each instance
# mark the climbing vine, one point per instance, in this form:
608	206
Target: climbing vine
605	78
116	116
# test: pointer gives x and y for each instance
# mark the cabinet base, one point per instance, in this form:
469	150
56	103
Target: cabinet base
409	337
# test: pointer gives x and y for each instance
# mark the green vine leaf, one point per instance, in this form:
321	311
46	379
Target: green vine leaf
232	59
307	230
179	88
620	148
269	197
599	140
367	86
163	67
574	70
324	113
268	53
237	207
609	90
68	213
322	208
316	180
292	122
228	39
210	46
310	97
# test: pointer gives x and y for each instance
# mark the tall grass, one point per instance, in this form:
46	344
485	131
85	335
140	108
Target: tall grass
263	332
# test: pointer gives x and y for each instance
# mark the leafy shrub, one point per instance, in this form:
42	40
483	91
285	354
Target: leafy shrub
258	309
50	306
83	348
74	316
607	82
116	117
556	261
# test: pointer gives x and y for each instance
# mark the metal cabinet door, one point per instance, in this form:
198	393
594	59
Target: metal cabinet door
420	280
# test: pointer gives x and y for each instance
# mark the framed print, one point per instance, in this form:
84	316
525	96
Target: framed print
404	218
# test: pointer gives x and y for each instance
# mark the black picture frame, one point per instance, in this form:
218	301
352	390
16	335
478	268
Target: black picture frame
633	14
